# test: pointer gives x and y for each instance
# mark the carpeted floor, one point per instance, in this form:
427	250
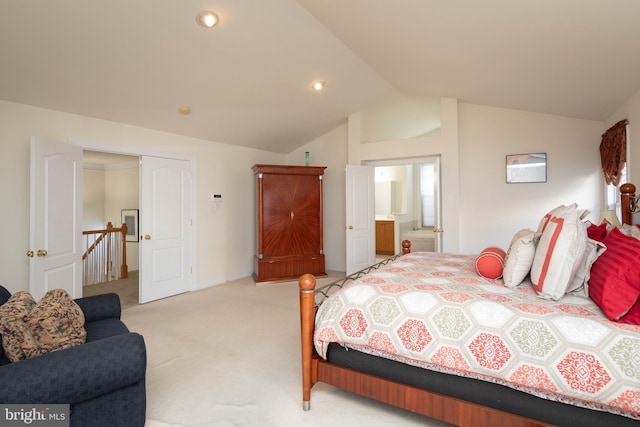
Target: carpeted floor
230	356
127	289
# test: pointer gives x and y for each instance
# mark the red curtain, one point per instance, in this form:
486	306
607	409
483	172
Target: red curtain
613	152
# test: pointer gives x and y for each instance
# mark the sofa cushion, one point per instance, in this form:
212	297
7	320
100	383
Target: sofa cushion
100	329
29	329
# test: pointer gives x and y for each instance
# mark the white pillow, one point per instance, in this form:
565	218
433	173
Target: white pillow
545	219
580	283
561	249
522	250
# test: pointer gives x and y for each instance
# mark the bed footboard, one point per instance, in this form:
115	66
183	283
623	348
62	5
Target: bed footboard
307	284
308	308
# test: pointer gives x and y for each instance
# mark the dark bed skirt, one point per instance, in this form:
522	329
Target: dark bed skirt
476	391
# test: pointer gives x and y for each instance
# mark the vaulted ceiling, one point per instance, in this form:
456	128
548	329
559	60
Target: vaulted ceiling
247	80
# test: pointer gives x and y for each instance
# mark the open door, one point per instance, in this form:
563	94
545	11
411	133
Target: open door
437	198
56	218
360	215
165	228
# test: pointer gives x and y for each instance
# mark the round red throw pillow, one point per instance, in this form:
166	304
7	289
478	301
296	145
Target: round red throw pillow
490	262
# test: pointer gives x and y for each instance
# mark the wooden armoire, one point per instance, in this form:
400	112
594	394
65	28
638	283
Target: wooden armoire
289	222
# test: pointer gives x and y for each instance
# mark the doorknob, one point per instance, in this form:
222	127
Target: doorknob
147	237
41	252
30	254
351	227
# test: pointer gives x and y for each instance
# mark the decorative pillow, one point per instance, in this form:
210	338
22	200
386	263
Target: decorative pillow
633	316
545	219
57	322
17	340
580	282
614	284
490	262
29	329
562	246
519	259
597	232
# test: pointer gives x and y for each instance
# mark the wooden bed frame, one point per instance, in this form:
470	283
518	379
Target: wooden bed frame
438	406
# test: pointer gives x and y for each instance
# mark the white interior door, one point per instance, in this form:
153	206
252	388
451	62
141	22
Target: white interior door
165	228
361	219
438	230
56	218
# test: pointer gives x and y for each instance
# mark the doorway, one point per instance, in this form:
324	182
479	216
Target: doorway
408	204
161	189
111	184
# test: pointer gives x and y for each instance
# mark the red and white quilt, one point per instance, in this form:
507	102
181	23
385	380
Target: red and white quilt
434	311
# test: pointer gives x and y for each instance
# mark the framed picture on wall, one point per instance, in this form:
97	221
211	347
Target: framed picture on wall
531	167
130	219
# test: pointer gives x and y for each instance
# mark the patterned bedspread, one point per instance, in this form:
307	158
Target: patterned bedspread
434	311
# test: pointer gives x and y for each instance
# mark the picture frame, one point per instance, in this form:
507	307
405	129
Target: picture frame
130	218
526	168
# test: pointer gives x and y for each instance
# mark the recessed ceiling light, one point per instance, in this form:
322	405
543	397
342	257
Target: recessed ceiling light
318	85
185	111
207	19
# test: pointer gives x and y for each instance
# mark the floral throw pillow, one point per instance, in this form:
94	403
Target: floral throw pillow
57	322
29	329
17	340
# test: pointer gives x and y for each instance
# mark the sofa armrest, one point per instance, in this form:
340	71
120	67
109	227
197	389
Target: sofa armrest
76	374
99	307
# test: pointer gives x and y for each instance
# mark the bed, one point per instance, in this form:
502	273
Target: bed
426	332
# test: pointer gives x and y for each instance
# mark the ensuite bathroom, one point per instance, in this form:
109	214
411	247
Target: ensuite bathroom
407	206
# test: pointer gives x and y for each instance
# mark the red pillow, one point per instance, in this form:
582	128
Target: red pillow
633	316
614	284
597	232
490	262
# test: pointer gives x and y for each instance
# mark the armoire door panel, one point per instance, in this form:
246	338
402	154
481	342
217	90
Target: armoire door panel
289	221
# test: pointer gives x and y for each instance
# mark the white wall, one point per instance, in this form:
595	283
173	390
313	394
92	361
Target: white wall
630	110
491	211
443	144
122	192
330	150
93	199
479	208
225	237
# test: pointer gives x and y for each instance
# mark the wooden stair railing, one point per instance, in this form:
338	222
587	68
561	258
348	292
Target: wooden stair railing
105	250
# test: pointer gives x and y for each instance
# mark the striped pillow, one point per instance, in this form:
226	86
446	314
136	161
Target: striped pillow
560	251
614	284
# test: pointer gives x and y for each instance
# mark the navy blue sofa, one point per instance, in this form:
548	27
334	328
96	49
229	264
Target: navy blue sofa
103	380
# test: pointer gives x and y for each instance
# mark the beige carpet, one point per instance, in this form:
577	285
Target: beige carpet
127	289
230	356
